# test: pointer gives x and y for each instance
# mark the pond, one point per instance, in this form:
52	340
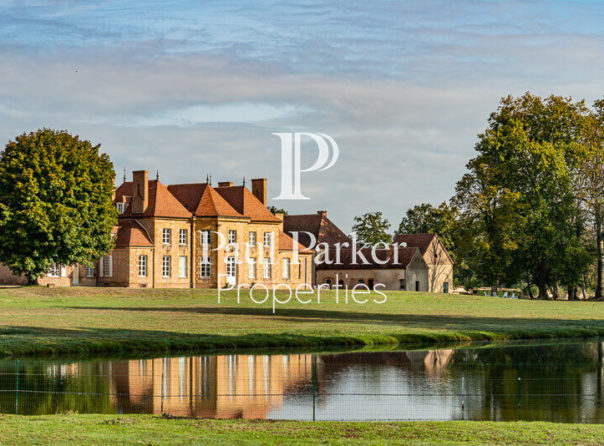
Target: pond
555	381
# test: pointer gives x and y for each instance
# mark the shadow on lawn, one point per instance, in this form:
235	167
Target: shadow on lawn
303	315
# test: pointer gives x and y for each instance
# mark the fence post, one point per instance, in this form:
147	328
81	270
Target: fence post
314	386
519	388
17	388
163	369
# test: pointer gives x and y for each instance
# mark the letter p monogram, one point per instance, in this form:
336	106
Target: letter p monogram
290	161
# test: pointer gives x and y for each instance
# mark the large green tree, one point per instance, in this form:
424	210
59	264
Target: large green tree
56	202
425	218
372	228
592	185
518	198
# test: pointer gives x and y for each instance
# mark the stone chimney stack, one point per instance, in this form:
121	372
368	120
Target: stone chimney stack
259	189
140	194
225	184
323	214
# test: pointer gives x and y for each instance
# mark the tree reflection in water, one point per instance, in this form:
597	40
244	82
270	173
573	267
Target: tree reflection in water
553	382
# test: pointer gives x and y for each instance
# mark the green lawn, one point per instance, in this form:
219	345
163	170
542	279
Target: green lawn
35	320
151	430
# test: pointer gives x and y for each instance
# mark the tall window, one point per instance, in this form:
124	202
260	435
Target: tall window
142	266
166	267
183	236
267	268
205	267
268	239
53	270
90	271
121	207
286	266
205	238
108	266
232	236
167	236
182	267
231	267
251	272
252	241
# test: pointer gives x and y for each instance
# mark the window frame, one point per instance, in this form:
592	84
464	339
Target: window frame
108	261
203	240
250	242
251	268
166	267
183	234
53	270
232	236
205	265
267	268
231	263
286	261
180	267
268	241
143	265
166	235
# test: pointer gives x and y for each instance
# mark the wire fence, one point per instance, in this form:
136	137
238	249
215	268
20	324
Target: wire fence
398	386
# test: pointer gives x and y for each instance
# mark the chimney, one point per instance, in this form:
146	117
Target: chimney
259	189
140	195
225	184
280	215
323	214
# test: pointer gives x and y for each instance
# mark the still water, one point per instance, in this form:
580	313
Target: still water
555	381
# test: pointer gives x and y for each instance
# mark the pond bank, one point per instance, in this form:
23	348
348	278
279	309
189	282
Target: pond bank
92	321
154	430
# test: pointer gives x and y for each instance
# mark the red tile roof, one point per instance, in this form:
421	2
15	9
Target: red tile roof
405	255
202	200
321	227
287	243
423	242
131	233
161	202
246	203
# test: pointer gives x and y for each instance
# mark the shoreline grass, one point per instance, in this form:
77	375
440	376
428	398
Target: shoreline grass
153	430
103	321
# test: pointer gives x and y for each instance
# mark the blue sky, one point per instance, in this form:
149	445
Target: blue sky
191	87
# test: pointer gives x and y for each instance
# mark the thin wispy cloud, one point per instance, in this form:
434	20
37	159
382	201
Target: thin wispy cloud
192	87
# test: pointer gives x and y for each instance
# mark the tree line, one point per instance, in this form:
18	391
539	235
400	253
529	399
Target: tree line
528	212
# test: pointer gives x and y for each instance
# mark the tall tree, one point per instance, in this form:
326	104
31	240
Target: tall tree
425	218
372	228
593	187
518	194
56	202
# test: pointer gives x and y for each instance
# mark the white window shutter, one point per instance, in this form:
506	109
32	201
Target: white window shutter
101	269
63	271
110	269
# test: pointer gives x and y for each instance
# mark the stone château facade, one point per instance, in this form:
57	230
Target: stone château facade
190	236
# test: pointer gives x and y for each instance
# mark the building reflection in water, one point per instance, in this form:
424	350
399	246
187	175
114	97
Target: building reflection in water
554	382
241	386
230	386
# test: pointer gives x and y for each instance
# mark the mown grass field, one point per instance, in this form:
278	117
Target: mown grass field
151	430
35	320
